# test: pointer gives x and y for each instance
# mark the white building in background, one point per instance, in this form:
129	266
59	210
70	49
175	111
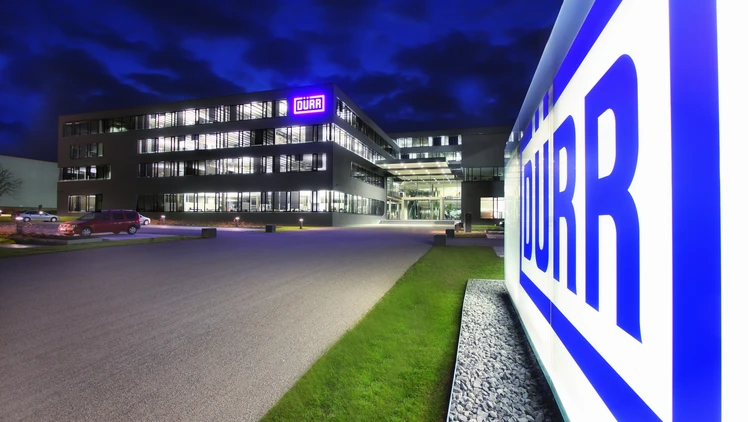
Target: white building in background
39	183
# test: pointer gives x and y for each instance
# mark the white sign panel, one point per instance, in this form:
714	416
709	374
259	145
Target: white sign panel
616	213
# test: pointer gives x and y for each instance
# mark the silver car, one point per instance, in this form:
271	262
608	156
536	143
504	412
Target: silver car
33	215
144	220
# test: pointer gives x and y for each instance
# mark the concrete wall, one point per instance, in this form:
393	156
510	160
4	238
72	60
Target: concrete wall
342	219
39	183
471	195
484	148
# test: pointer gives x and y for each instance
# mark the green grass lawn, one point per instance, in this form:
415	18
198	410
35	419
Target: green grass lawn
8	253
397	362
292	228
486	227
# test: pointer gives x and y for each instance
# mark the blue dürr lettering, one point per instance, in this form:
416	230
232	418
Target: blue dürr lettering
609	195
527	214
564	138
541	253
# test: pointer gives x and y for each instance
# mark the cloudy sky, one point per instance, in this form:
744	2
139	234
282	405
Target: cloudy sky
411	65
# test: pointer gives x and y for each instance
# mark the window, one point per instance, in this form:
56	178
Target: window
267	165
190	117
332	132
256	110
367	176
282	136
281	107
491	208
85	203
278	201
479	174
85	173
268	137
345	113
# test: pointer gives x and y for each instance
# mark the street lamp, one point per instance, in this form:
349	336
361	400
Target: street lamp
236	221
301	223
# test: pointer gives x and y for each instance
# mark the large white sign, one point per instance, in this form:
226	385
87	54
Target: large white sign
618	200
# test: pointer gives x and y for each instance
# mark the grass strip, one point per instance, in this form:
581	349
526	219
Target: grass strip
9	252
397	362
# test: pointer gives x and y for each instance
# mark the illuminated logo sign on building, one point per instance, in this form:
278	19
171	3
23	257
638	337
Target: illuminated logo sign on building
309	104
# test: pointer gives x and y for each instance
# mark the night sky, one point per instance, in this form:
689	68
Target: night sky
410	65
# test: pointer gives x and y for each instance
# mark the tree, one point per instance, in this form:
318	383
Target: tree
10	185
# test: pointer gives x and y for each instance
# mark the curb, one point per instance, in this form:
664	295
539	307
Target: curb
457	353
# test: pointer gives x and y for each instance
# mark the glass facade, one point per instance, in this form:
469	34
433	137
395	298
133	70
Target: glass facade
187	117
274	136
95	149
350	117
450	156
278	201
367	176
418	200
491	208
84	203
85	173
235	165
429	141
482	174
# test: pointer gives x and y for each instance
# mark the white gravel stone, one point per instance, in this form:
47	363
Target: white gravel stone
496	375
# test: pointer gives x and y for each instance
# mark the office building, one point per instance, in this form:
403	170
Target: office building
271	157
443	175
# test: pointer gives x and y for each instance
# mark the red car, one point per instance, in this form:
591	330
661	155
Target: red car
114	221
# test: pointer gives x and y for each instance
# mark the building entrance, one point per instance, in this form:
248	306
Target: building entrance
423	209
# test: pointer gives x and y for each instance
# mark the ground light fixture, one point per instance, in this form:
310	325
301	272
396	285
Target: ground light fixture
301	223
236	221
163	219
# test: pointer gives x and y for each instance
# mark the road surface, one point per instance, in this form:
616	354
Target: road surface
208	329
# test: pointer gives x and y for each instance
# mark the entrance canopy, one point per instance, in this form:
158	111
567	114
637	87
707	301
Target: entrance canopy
424	169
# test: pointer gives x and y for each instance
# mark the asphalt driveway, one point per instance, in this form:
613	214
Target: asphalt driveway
209	329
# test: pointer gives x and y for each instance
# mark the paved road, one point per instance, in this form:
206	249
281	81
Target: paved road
209	329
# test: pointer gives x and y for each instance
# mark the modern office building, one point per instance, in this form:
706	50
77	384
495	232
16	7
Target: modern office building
269	157
443	175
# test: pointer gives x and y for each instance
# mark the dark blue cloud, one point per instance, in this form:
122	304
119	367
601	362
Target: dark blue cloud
410	65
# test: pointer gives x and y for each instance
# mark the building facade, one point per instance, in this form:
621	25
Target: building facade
269	157
444	175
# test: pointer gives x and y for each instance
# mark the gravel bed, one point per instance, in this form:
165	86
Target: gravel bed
497	377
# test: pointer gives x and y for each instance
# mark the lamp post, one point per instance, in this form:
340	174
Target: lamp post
236	221
301	223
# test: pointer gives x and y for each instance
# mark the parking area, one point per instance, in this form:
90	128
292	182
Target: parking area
211	329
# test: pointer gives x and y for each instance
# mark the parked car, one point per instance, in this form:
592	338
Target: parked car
105	221
34	215
144	221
